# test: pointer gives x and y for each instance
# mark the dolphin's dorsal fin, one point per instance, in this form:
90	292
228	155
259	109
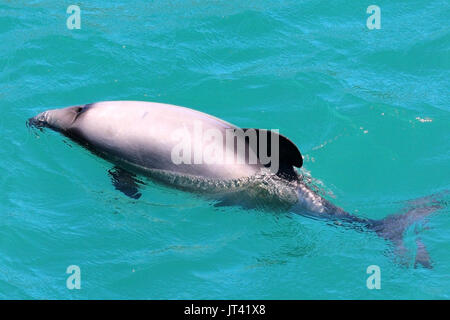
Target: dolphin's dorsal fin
289	155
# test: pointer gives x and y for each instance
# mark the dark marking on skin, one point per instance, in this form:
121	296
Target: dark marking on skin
81	110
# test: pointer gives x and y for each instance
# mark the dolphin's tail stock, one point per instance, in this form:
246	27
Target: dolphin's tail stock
393	227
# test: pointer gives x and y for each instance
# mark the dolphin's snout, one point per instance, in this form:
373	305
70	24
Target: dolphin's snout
56	119
39	121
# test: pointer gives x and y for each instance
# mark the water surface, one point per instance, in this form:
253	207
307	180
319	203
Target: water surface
369	110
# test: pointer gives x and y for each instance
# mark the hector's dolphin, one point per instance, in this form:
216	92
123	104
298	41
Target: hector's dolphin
197	152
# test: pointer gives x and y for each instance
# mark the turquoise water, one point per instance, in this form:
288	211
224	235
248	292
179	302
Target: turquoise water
369	110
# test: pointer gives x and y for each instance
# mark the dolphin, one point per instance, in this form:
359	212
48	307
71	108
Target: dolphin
168	143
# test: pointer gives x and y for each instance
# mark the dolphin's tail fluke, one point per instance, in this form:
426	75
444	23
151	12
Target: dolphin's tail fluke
393	227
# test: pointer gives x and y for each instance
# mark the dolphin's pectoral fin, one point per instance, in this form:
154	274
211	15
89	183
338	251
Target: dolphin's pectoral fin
288	154
126	182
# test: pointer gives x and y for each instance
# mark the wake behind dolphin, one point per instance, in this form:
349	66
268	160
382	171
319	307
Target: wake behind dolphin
196	152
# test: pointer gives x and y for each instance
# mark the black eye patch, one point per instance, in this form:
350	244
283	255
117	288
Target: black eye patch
82	109
85	108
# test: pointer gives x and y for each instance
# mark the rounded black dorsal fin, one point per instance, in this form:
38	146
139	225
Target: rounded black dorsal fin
289	154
